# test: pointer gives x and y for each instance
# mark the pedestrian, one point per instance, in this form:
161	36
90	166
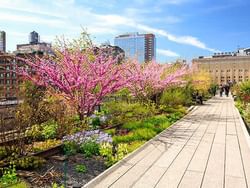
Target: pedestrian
227	88
221	90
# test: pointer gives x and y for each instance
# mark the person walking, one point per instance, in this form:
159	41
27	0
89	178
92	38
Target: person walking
227	88
221	90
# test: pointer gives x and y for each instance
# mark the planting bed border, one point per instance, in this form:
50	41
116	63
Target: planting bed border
244	127
104	174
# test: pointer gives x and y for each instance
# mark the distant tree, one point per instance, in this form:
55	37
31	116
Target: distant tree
150	79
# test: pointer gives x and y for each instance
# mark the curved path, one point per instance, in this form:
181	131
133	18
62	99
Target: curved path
207	148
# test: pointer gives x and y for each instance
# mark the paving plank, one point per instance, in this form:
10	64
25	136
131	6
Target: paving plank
191	179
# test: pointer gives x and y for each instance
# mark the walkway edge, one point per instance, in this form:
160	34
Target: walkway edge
243	127
104	174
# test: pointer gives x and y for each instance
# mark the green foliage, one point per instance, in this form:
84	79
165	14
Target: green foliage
49	129
41	146
113	155
110	131
70	148
95	122
136	135
29	162
81	168
176	96
9	176
19	185
134	145
35	132
89	148
55	185
3	152
174	117
122	112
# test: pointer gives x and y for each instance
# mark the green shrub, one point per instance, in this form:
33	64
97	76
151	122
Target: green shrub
35	131
9	176
110	131
134	145
123	112
70	148
136	135
176	96
80	168
111	157
3	152
30	162
49	129
89	148
132	125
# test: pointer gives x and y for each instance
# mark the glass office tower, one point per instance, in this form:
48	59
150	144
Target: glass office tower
137	46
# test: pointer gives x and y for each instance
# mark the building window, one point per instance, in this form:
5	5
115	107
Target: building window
8	75
1	81
216	70
228	70
8	82
246	70
1	75
13	75
222	70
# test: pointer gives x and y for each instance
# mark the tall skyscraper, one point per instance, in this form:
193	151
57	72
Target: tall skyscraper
141	47
34	37
2	41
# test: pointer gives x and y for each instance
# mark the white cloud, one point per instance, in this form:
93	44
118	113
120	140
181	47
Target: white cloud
28	19
70	16
167	53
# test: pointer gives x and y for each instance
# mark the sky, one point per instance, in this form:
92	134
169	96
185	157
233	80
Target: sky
184	29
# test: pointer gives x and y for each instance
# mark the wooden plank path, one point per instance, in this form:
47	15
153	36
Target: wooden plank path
208	148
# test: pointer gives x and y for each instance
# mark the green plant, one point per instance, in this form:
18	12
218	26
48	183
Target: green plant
9	176
81	168
113	155
55	185
40	146
95	122
89	148
176	96
29	162
70	148
35	132
3	152
49	129
110	131
134	145
21	184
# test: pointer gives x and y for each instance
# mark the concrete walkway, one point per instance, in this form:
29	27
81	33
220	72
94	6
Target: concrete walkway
207	148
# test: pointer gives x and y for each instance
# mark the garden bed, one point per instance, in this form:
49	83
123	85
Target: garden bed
94	166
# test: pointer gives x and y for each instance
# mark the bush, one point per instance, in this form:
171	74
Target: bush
136	135
113	155
89	148
176	96
30	162
122	112
49	129
9	176
70	148
110	131
134	145
41	146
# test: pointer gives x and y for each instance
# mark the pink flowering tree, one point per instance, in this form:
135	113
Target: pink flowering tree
150	79
83	78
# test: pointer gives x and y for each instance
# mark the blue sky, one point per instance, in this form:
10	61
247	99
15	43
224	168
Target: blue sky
184	28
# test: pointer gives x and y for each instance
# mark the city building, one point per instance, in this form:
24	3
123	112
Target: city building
8	77
226	67
34	48
114	51
141	47
2	41
34	38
